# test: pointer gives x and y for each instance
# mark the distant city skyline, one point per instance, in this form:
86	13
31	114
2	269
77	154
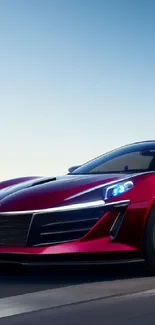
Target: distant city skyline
77	79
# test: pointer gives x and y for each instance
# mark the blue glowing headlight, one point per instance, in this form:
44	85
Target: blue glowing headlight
118	189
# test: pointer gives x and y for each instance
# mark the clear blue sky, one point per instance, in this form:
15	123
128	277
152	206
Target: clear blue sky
77	78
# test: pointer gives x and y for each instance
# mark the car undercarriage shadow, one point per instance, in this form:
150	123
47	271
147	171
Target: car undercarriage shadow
70	275
19	280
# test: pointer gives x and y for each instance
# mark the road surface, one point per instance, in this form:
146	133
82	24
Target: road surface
123	294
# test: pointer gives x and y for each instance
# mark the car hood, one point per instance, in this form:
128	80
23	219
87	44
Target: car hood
42	192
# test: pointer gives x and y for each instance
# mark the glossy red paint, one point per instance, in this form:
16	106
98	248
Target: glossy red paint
16	181
94	246
25	194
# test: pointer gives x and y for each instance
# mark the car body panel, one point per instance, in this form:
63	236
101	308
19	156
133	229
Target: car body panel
72	213
26	196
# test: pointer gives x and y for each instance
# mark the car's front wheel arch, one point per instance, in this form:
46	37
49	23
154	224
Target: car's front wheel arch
148	246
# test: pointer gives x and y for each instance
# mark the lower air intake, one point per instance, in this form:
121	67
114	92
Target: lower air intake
57	228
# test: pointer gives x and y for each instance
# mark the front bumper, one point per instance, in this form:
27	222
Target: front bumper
70	259
77	234
50	227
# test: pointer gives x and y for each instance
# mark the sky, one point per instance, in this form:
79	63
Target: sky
77	78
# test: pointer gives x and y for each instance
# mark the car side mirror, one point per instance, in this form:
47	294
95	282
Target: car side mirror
71	169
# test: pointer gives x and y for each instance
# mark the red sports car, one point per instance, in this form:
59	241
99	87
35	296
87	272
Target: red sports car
101	211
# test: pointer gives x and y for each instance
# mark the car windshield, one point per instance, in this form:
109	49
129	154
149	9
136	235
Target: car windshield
128	159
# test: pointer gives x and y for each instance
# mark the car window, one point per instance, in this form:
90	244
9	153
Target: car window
130	158
127	162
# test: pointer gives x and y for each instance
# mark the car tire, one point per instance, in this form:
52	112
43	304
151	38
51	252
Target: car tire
149	241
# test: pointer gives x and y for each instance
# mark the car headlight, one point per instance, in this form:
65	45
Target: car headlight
117	189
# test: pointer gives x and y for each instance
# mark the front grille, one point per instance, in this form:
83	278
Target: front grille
56	228
14	229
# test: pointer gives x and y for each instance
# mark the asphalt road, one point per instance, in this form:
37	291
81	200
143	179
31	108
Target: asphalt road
122	294
127	311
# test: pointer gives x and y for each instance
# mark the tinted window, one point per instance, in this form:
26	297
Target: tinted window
131	158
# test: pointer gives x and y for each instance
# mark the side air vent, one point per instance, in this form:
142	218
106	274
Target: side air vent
116	225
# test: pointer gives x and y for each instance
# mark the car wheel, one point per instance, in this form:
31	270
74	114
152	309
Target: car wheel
149	241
